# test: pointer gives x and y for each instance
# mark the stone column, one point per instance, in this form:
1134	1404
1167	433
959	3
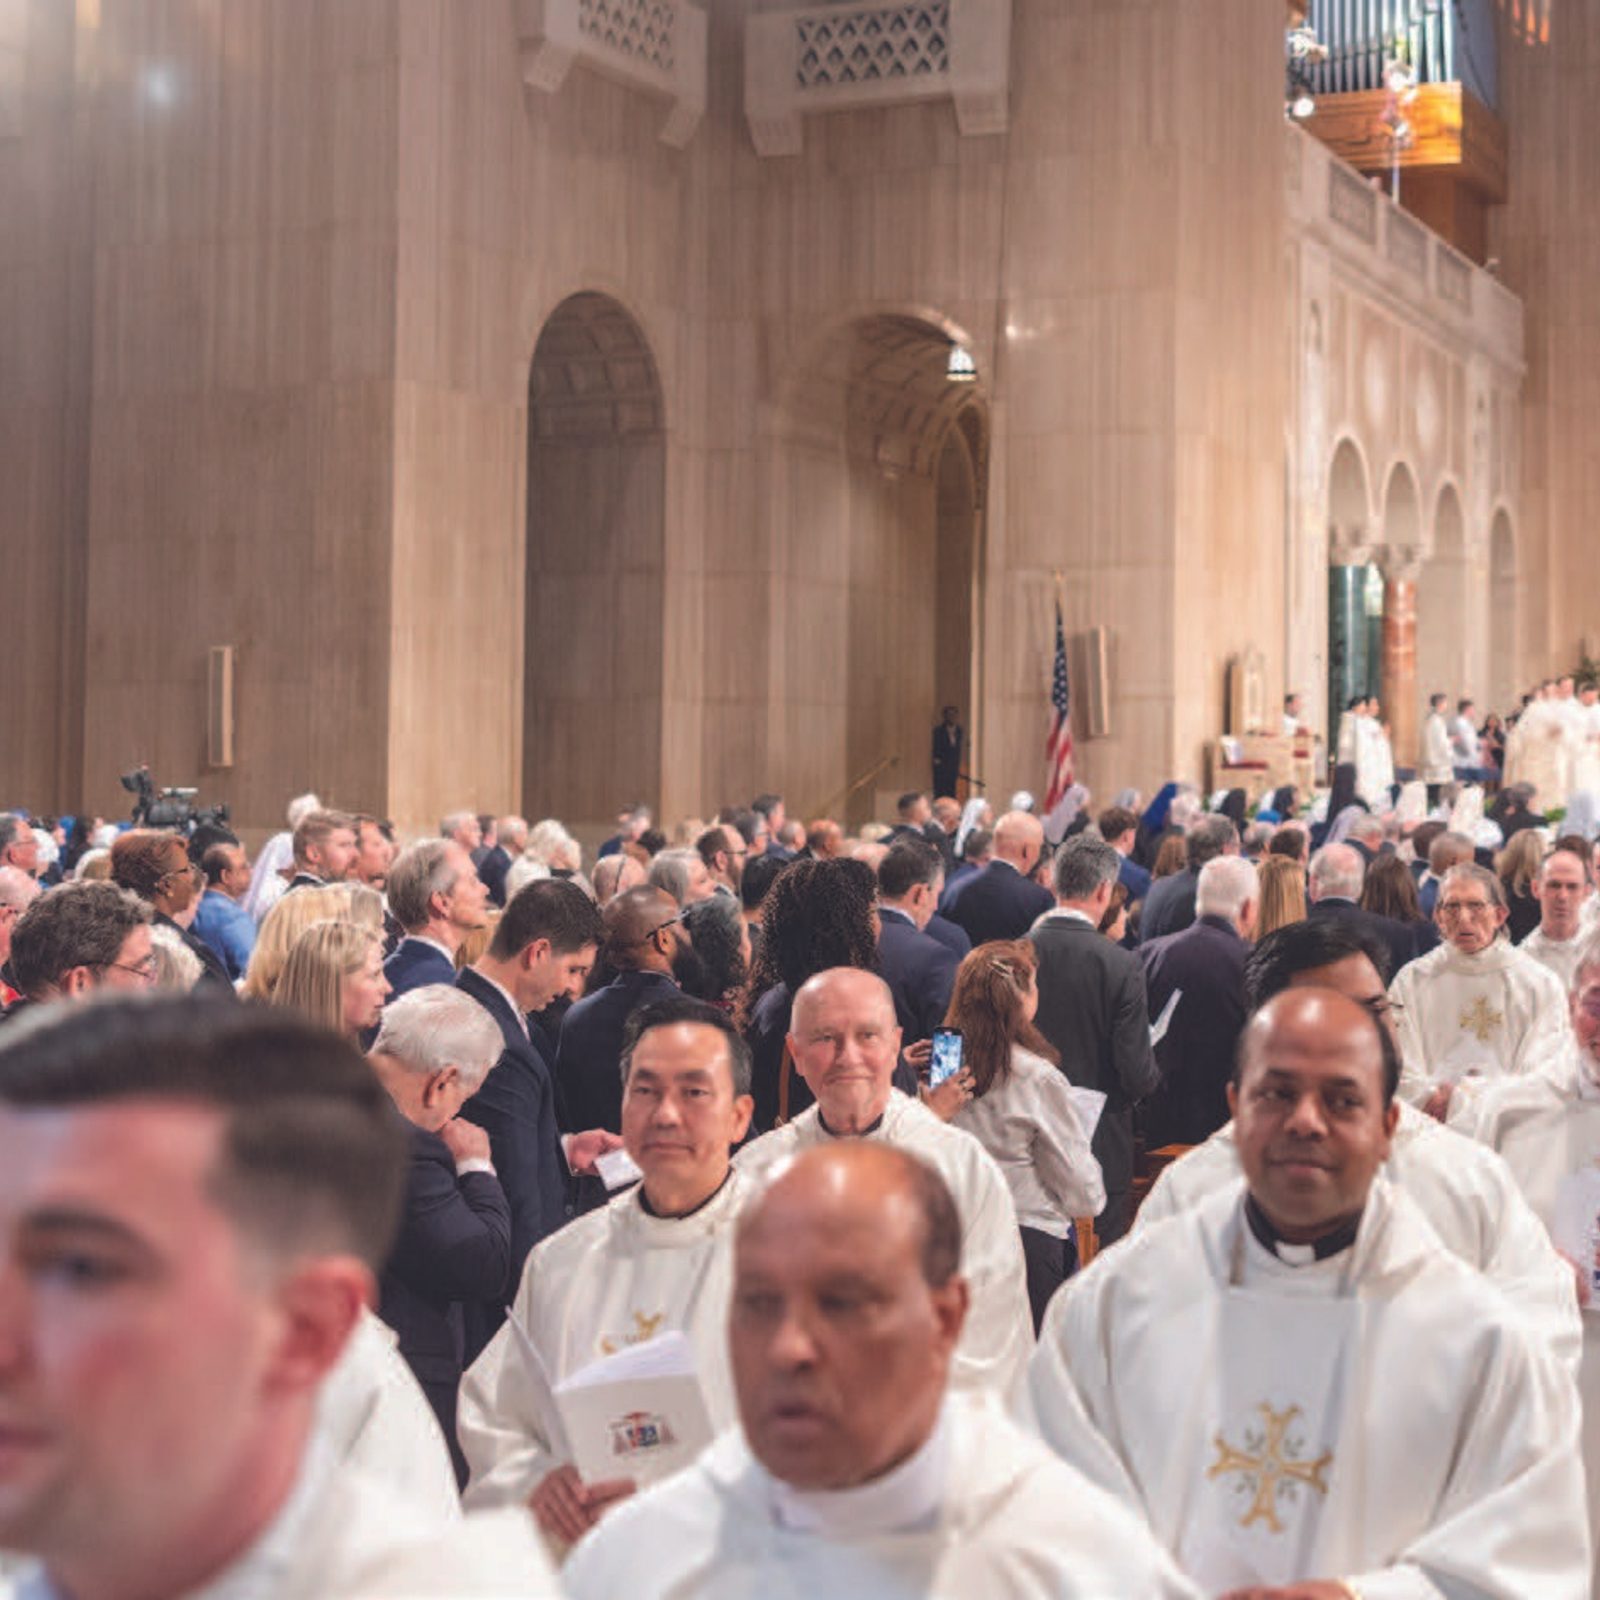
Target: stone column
1399	670
1349	665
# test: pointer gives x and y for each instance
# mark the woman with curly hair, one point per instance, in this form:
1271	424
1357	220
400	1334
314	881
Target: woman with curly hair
816	915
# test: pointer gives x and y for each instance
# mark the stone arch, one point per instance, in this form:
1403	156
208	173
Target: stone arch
1402	510
876	467
593	653
1445	626
1349	497
1504	633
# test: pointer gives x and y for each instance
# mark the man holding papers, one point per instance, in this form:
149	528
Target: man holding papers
1299	1388
845	1044
656	1260
1547	1126
854	1474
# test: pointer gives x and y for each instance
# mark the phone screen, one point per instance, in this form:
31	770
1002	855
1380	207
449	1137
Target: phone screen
946	1059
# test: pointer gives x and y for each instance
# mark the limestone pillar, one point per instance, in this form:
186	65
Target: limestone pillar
1399	664
1349	659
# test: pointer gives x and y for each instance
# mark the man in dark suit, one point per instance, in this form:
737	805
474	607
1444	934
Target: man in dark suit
155	865
438	899
454	1245
1337	873
1092	1009
641	931
948	738
1169	906
919	970
510	840
1448	849
324	848
546	937
1119	827
1002	901
1204	965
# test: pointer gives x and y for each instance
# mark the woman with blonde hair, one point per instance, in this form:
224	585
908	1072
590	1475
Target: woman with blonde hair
289	917
1283	894
1022	1110
334	976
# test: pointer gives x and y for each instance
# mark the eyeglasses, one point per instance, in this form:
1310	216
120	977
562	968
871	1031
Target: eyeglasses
1466	908
145	970
1384	1007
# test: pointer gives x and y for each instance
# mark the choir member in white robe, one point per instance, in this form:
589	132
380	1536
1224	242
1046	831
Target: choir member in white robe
1547	1128
1374	759
1468	1196
1476	1007
656	1259
1297	1384
1536	752
845	1044
1438	758
1349	718
854	1473
1563	889
1586	759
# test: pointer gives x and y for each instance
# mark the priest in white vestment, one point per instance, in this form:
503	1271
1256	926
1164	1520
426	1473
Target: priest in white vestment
1438	757
1547	1128
854	1474
1476	1007
845	1044
1468	1196
1296	1384
1586	758
1374	759
1536	751
1563	889
655	1260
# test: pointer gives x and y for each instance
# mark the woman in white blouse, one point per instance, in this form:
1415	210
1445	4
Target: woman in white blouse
1022	1110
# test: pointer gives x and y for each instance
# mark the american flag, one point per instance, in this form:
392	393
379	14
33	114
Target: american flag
1058	747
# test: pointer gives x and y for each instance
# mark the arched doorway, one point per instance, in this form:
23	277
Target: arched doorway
596	511
1444	628
1352	652
1504	637
877	468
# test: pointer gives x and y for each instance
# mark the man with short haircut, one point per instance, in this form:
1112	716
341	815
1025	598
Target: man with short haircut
825	839
976	854
1334	885
510	840
1465	1192
207	1192
1300	1390
683	875
845	1044
155	866
1293	840
641	932
324	850
1002	901
18	846
1367	836
1466	747
545	939
723	850
1293	715
220	919
464	828
615	874
854	1471
79	938
657	1257
437	897
434	1047
1448	849
919	969
1092	1009
1204	967
374	852
1169	907
770	808
1119	827
1562	889
913	813
1476	1007
18	891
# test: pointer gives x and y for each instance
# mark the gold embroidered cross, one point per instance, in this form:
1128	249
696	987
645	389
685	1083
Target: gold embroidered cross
1267	1464
644	1329
1480	1021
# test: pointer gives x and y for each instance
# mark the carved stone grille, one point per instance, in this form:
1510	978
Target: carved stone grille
640	30
872	45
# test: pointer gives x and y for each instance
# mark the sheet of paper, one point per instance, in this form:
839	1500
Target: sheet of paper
1158	1028
638	1414
1575	1225
617	1169
1089	1103
549	1419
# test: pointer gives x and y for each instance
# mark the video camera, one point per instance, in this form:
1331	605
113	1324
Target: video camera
169	808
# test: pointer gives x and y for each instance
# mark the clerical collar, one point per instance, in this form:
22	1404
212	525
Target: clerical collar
1297	1255
682	1216
905	1499
871	1127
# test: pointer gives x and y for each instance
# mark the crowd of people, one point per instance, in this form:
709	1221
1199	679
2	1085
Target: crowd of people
1246	1249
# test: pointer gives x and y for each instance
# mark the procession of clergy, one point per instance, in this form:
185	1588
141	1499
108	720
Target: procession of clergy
1346	1352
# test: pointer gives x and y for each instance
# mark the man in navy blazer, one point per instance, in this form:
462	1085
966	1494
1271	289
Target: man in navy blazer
1169	905
1337	874
642	929
919	970
437	898
544	943
1002	901
434	1048
1119	827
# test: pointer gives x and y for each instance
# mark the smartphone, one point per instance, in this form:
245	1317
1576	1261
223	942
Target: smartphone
946	1059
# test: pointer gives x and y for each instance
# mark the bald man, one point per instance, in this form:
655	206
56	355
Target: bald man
845	1043
853	1472
1298	1386
1002	901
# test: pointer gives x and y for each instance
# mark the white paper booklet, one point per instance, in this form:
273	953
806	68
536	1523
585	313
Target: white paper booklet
637	1414
1158	1028
1088	1103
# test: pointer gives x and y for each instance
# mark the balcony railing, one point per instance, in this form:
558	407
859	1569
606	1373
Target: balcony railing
1443	41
